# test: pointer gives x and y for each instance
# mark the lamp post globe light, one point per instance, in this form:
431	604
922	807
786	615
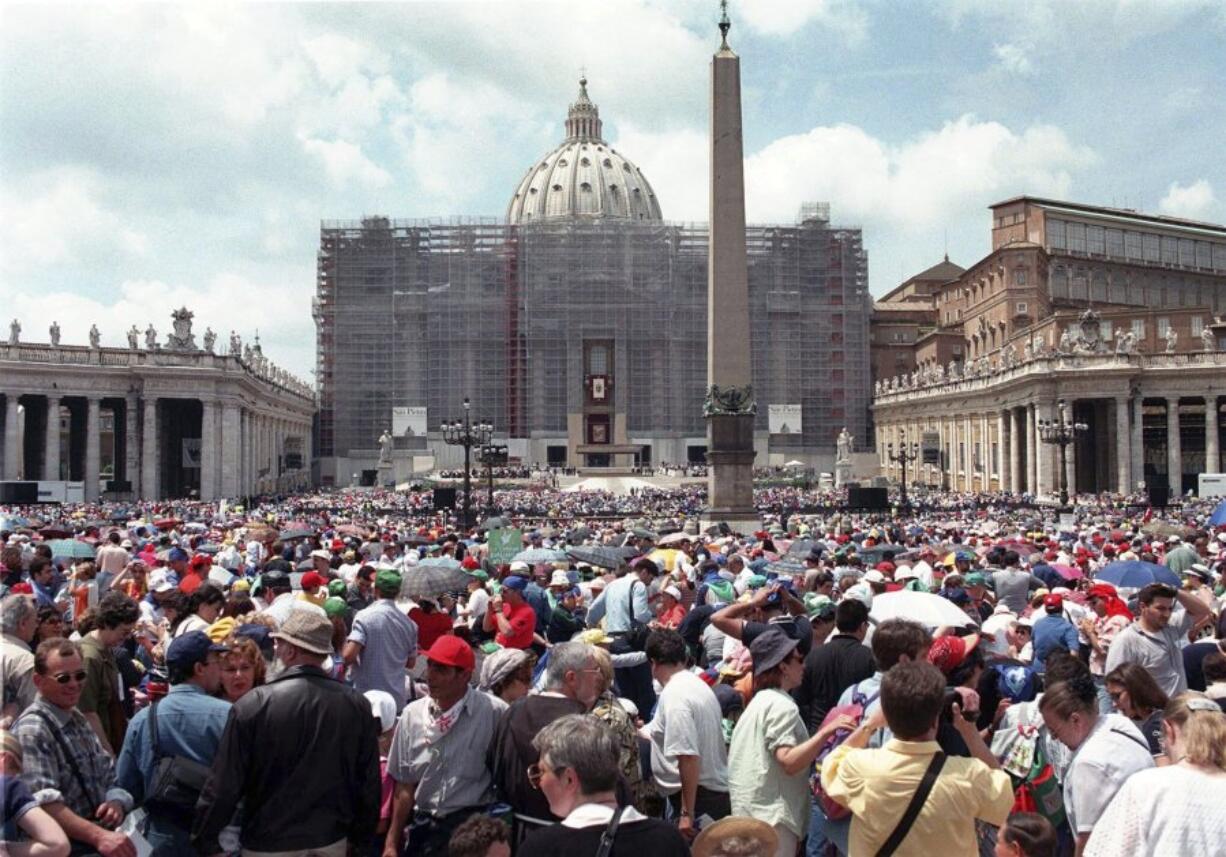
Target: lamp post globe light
904	455
1061	432
467	434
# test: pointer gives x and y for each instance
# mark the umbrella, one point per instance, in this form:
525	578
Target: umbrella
71	548
601	557
208	549
666	558
923	607
431	578
167	523
14	523
1165	529
55	533
789	565
350	530
1068	572
578	534
535	555
675	538
873	555
289	535
1134	574
1218	518
641	533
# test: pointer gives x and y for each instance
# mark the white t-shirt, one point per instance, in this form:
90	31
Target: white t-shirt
687	723
1165	812
1109	755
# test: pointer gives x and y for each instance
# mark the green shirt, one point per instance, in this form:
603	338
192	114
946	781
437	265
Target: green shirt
101	682
757	784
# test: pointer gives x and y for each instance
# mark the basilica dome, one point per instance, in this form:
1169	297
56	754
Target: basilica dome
583	179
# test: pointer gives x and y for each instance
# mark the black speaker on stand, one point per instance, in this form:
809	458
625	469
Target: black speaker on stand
444	498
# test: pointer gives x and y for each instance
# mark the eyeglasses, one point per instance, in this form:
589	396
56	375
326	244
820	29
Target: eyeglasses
535	771
64	678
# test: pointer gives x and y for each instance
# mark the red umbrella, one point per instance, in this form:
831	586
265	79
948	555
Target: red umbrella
1068	572
167	523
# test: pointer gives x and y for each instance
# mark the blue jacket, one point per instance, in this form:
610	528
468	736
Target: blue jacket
1051	634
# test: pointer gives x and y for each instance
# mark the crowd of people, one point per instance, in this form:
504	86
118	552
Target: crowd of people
355	673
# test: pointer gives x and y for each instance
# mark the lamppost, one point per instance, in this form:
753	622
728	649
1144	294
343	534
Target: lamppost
492	455
902	457
1061	432
467	434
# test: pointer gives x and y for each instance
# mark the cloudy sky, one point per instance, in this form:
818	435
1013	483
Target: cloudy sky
153	155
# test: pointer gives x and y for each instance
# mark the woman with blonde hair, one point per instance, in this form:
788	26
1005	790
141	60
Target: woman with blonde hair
242	668
1174	810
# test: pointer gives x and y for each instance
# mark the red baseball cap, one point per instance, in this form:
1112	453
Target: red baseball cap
470	563
1053	601
312	580
947	653
451	651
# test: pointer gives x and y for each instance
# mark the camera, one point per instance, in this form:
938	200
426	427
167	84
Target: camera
947	710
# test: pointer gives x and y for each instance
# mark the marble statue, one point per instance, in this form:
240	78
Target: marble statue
1066	342
938	372
55	333
95	338
133	336
1172	339
181	338
209	338
247	354
1208	341
236	344
844	445
151	338
952	370
385	447
14	332
877	387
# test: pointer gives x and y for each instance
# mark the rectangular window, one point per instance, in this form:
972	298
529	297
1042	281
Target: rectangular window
1077	237
1170	250
1164	325
1219	257
1115	243
1055	234
1021	307
1094	240
1187	252
1138	328
1132	244
1153	247
1198	325
1105	329
1204	255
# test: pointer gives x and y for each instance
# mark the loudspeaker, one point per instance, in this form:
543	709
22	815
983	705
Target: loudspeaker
18	493
444	498
1159	493
870	499
116	486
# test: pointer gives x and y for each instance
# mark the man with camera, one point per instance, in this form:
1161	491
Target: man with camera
908	794
170	745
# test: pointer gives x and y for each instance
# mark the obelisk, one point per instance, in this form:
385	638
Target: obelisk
729	407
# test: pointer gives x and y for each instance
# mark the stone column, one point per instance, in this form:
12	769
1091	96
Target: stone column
51	442
12	438
1015	451
93	448
149	458
1174	454
209	452
131	448
231	450
1138	440
1003	471
1032	449
985	452
1070	459
1213	456
1123	447
1047	466
968	427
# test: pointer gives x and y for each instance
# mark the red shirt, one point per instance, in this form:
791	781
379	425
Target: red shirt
523	625
190	583
672	618
430	626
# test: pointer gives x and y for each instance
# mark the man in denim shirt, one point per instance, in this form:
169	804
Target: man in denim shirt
190	722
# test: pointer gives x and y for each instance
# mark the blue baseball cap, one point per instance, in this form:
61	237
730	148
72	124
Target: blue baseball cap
519	584
187	650
177	555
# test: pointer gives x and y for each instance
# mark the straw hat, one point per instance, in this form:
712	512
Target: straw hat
736	836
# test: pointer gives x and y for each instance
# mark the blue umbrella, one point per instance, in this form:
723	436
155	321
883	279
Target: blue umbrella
1218	518
1133	574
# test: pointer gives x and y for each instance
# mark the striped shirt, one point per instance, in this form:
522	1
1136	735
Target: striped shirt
388	639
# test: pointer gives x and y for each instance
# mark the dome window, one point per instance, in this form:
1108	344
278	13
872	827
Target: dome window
585	186
557	187
562	162
585	163
613	188
608	164
532	190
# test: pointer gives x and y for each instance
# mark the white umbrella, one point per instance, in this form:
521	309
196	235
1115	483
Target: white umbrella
922	607
793	464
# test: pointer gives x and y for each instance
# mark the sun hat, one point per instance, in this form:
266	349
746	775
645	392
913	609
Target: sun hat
499	665
518	566
595	637
736	835
383	707
321	554
159	581
769	648
308	630
451	651
673	591
559	578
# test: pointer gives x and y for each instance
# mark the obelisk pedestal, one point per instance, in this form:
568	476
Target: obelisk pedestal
729	407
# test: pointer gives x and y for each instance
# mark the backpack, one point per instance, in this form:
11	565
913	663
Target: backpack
724	591
1023	757
832	809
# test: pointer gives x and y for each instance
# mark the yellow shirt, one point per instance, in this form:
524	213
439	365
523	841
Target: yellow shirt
877	785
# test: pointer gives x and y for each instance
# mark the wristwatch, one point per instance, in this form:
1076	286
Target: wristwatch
686	813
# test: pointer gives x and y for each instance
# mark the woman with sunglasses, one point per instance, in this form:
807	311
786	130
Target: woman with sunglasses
577	772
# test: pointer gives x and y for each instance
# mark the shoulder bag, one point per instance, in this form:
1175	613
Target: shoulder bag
913	808
636	634
610	833
177	780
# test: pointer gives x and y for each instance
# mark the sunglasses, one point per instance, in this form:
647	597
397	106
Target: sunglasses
64	678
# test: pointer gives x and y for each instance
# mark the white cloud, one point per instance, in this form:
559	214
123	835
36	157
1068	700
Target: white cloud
785	17
1013	58
1195	200
60	216
345	163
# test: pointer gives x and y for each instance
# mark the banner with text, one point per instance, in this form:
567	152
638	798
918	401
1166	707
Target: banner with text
408	422
784	419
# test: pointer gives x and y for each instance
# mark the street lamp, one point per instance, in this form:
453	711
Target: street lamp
902	457
1061	432
467	434
492	455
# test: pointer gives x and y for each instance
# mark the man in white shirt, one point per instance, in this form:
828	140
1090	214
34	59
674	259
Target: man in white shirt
688	756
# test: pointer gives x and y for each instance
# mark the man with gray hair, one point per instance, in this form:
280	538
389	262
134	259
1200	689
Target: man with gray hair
18	621
572	683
